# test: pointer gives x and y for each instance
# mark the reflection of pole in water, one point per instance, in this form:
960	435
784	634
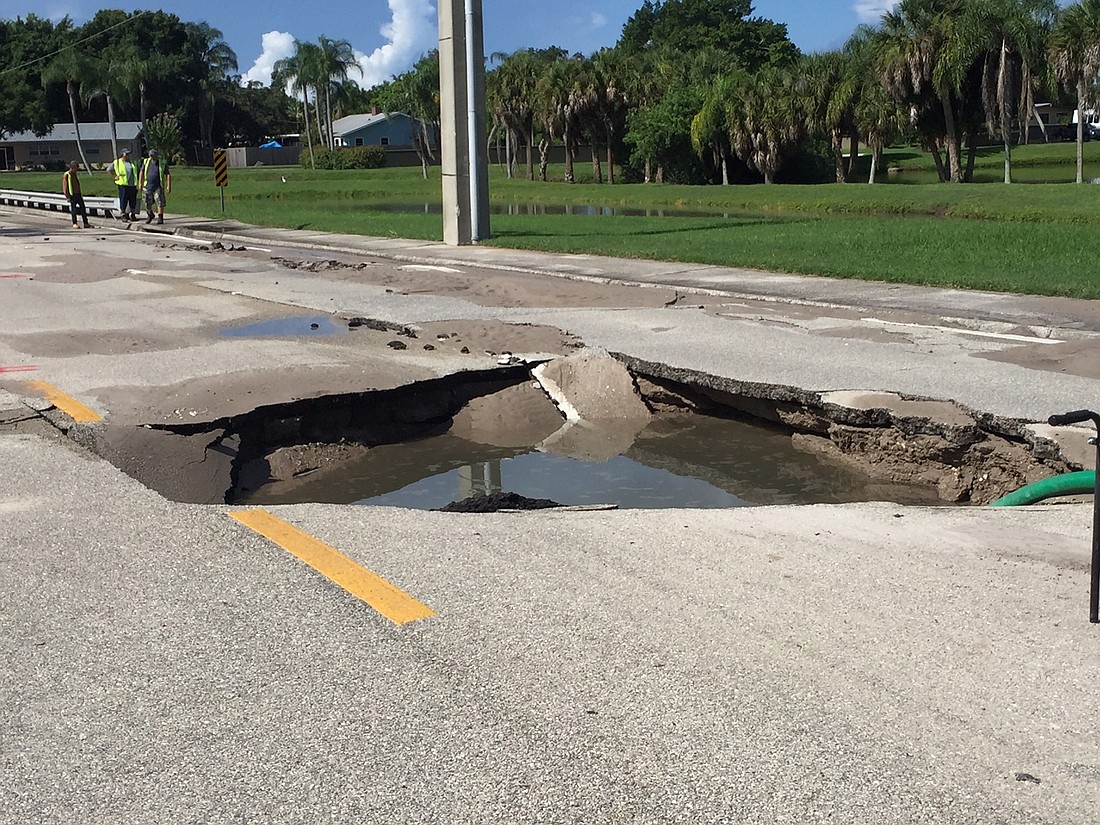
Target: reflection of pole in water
479	480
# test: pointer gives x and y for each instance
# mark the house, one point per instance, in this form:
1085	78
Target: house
26	150
378	129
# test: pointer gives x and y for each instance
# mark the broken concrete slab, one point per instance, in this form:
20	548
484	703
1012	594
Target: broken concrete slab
590	385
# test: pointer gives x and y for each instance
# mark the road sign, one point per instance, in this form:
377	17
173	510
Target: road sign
221	168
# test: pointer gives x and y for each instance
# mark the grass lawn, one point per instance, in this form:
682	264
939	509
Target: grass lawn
1039	238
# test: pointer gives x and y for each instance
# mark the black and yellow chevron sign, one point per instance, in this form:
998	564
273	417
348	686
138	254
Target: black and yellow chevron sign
221	168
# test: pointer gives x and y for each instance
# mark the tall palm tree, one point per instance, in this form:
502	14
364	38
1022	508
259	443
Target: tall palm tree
922	53
69	67
137	72
513	94
293	71
1075	57
1014	35
339	60
215	62
103	79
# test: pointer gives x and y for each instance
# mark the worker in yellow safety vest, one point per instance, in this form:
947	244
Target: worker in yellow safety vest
155	180
126	179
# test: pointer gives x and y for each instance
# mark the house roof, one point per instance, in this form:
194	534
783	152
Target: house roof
353	123
125	129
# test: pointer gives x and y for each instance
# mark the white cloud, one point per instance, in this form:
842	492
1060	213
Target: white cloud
597	21
412	31
871	11
276	46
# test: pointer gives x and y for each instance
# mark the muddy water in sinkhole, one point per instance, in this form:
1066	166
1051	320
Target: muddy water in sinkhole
683	461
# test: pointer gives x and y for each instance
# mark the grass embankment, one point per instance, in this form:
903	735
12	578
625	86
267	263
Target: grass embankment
1033	238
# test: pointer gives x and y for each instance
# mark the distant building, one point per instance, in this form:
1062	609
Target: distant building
57	147
378	129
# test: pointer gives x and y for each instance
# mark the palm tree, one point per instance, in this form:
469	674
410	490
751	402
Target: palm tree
339	60
710	129
1014	33
830	103
69	67
137	72
878	119
293	72
561	100
766	117
922	54
102	79
513	93
1075	57
215	62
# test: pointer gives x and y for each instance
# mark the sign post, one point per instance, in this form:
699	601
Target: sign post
221	173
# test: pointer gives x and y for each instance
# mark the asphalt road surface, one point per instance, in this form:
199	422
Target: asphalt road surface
163	662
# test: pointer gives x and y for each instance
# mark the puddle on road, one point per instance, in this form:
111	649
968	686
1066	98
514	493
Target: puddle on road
696	462
287	327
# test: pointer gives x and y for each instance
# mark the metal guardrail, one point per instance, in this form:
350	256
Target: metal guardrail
51	202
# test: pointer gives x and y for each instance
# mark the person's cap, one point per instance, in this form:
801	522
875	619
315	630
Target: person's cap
153	152
125	151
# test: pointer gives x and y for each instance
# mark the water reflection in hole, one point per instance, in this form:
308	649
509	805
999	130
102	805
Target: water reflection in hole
691	461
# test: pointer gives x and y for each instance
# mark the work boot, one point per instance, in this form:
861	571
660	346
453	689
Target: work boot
87	226
160	220
150	218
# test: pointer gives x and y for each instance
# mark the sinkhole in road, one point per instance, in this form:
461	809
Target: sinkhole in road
693	461
503	434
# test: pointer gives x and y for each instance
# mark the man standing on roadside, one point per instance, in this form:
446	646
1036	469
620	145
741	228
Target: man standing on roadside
126	175
156	180
70	188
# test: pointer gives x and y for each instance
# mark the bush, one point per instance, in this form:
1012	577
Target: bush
358	157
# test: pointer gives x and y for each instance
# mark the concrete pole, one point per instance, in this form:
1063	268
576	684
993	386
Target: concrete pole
462	122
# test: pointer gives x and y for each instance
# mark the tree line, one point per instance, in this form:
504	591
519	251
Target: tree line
693	91
698	90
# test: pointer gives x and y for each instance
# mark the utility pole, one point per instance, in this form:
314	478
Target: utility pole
462	122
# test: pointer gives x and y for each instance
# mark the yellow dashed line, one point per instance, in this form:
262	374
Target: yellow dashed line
66	403
392	602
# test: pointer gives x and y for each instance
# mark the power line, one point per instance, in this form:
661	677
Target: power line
120	24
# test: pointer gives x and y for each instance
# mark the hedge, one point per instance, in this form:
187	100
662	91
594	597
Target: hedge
357	157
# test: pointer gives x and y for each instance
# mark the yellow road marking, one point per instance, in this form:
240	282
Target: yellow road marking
66	403
392	602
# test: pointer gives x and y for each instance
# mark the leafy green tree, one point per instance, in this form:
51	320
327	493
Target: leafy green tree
1075	57
416	94
25	102
164	134
685	26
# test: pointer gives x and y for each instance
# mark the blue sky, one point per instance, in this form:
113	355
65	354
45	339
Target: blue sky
391	34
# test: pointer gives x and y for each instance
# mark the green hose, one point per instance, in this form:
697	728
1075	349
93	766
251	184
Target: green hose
1068	484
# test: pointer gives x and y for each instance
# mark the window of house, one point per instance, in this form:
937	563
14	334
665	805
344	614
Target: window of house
385	141
359	141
